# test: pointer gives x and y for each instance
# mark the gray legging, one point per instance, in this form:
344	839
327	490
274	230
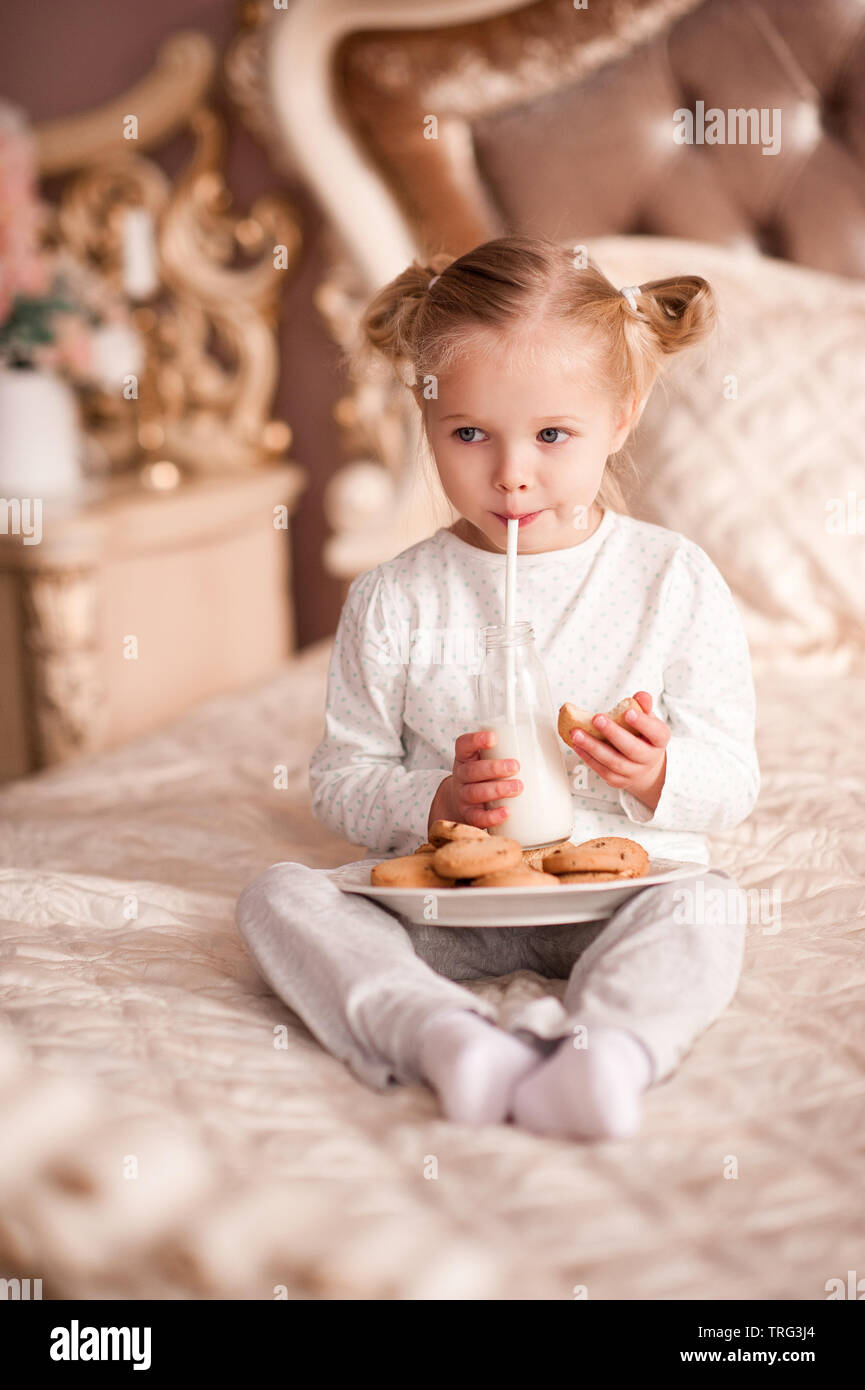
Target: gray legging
363	980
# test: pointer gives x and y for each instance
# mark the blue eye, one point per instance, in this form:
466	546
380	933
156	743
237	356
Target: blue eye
473	429
467	429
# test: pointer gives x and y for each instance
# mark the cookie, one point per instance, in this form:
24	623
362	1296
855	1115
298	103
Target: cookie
607	852
534	858
594	876
425	848
474	858
408	871
442	832
571	717
520	876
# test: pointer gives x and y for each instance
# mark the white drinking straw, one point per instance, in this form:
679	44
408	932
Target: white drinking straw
510	615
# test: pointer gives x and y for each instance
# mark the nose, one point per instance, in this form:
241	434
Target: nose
511	499
512	475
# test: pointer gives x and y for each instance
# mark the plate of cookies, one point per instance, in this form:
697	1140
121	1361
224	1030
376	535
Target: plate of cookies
464	876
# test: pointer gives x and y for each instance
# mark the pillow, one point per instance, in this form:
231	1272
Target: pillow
753	445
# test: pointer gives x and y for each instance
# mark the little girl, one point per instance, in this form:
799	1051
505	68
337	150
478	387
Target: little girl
530	371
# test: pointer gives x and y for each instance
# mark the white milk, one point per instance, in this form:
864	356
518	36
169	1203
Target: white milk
543	811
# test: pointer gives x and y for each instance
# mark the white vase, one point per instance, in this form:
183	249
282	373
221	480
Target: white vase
41	443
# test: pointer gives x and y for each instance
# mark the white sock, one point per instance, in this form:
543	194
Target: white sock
587	1093
473	1065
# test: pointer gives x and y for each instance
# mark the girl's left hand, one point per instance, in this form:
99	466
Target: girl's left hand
635	761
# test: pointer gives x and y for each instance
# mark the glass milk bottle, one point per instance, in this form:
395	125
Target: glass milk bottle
542	813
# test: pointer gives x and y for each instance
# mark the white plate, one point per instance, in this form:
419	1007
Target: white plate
509	907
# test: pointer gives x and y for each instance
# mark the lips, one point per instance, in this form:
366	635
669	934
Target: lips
523	517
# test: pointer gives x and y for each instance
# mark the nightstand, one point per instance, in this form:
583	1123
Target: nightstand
135	605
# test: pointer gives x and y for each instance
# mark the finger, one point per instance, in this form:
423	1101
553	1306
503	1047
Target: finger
638	749
643	698
607	773
469	745
649	726
475	793
603	753
488	768
482	818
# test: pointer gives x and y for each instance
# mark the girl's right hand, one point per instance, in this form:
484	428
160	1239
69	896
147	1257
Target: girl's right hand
476	780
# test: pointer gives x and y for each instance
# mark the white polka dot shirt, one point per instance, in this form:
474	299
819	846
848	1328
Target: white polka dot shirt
633	607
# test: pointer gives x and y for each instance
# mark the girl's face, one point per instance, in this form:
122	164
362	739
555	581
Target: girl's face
517	440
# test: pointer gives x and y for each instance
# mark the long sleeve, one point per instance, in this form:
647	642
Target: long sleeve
359	786
712	776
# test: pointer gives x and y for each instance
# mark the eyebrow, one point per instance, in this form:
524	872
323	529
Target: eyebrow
539	419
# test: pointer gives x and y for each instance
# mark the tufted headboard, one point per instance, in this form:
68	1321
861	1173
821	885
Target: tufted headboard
552	118
432	127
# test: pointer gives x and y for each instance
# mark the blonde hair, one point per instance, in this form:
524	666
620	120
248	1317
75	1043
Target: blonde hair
482	298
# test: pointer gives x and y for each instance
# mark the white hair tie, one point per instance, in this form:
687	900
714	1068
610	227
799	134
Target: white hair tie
432	281
630	292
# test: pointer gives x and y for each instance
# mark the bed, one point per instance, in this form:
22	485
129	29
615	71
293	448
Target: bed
265	1165
139	1042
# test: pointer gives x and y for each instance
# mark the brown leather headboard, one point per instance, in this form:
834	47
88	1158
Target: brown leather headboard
560	120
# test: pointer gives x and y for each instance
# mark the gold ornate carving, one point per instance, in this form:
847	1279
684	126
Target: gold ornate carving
88	221
216	418
204	395
64	661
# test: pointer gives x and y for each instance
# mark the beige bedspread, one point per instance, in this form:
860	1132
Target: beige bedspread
169	1129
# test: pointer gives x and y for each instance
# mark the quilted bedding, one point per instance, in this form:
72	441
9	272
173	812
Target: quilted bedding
169	1129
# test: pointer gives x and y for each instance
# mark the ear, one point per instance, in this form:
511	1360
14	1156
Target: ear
627	421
